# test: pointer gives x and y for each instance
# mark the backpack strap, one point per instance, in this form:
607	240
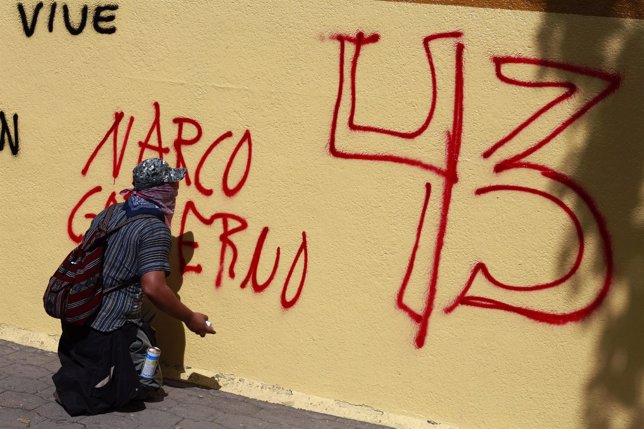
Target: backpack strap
101	230
106	219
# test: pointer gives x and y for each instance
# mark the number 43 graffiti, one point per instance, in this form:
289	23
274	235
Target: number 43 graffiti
351	140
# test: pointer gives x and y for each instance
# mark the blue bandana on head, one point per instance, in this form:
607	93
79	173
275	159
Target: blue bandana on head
136	205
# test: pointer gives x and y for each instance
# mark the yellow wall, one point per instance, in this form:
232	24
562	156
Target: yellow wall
550	218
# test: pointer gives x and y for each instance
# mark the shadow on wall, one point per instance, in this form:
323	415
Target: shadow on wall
170	333
611	164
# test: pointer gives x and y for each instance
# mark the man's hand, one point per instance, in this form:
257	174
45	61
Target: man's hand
156	289
197	324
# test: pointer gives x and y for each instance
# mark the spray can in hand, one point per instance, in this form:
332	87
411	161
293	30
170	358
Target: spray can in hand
151	362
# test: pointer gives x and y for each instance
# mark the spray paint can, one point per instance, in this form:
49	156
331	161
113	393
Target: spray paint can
151	362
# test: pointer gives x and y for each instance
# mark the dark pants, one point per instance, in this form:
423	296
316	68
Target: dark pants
97	371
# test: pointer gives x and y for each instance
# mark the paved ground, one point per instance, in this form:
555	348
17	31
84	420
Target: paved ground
26	400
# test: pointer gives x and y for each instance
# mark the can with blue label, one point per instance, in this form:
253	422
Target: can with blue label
151	362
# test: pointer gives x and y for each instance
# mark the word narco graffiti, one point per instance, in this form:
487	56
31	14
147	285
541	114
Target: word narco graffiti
231	224
352	140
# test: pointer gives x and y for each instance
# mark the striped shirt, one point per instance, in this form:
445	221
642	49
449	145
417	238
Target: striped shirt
137	248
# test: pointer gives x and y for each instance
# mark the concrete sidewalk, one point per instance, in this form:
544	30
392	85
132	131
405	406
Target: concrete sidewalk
26	401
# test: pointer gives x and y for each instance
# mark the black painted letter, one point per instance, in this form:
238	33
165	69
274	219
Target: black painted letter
14	142
29	29
75	31
98	18
52	14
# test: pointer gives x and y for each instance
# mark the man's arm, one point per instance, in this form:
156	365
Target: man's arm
156	289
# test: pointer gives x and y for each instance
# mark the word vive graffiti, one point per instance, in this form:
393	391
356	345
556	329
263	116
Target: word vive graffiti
349	139
101	18
5	133
231	224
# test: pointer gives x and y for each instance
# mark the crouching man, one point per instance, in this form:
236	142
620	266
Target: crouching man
101	362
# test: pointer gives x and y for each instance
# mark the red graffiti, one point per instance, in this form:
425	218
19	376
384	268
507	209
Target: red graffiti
252	272
516	162
448	169
181	141
350	146
303	250
231	224
246	142
77	238
145	145
117	159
